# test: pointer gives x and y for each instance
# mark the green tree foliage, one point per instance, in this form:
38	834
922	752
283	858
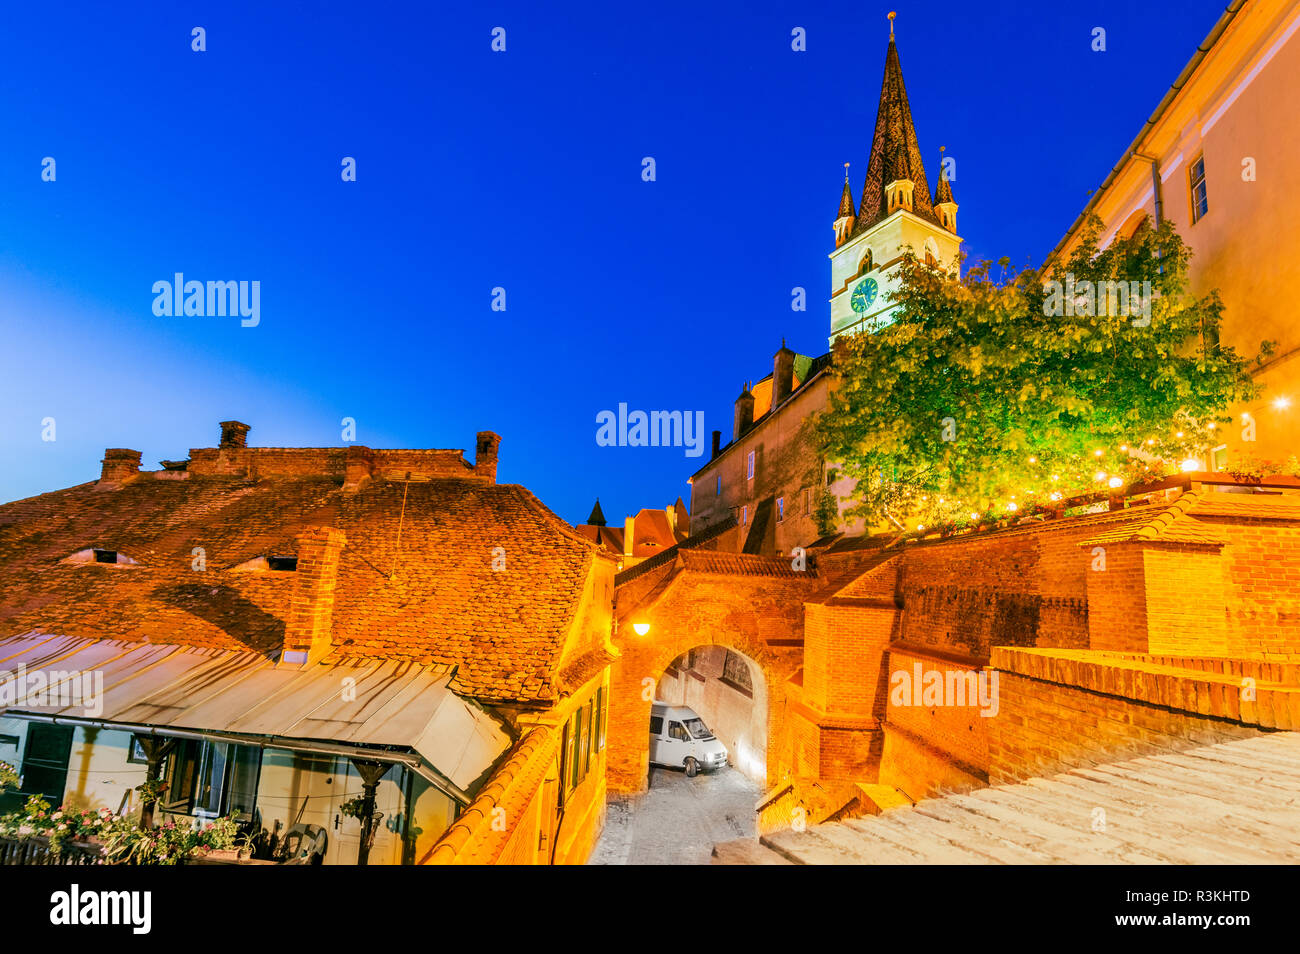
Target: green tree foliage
985	398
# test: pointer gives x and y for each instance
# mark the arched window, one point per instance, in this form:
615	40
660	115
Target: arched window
931	253
867	263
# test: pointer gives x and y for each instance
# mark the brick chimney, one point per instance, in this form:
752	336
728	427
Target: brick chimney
782	374
311	611
358	467
233	434
744	411
118	466
485	454
717	444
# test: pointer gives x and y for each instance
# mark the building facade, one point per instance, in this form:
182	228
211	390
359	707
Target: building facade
371	650
1217	159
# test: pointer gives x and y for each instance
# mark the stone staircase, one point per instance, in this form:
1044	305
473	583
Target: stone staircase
1231	803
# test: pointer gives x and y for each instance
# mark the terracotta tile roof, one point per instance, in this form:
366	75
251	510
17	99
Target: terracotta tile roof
742	564
1172	524
434	600
474	838
1248	506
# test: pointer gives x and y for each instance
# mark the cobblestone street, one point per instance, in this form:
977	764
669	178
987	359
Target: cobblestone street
678	821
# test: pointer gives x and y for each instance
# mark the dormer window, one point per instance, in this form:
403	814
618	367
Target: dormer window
269	564
102	556
898	194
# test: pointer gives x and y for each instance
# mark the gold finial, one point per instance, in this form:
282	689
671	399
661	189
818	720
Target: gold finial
846	173
892	14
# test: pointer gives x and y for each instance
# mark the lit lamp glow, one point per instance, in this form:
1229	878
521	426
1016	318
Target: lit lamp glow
1116	482
1281	403
1191	464
641	628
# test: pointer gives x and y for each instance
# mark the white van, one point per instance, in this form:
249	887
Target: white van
680	739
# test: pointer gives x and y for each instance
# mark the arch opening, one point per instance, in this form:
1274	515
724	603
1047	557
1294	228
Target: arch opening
729	694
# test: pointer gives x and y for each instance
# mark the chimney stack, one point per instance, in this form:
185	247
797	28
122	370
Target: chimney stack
629	534
311	611
782	374
485	454
744	411
717	444
358	468
119	465
233	434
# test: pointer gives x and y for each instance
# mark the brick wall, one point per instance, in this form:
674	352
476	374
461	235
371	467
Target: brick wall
1262	585
1059	712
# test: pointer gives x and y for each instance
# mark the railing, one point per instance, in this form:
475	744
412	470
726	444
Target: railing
36	850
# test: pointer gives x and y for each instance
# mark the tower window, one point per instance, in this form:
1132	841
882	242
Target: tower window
749	466
780	509
867	263
1200	198
719	488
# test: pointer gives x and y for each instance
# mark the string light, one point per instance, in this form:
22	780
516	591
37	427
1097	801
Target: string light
1116	482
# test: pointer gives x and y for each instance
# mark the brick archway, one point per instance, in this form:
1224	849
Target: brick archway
637	673
751	604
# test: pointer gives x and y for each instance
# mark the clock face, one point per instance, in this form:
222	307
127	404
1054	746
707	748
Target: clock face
863	295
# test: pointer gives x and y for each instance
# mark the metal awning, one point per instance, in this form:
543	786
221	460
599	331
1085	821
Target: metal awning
360	707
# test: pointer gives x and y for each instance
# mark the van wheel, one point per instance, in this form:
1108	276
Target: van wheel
692	768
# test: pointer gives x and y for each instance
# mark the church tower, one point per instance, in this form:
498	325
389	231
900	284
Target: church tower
897	211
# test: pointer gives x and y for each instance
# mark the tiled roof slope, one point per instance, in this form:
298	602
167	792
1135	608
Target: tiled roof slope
895	153
434	599
1192	518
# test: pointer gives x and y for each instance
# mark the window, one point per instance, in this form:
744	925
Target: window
212	778
1219	458
719	489
735	672
282	564
749	466
867	263
656	725
1200	198
807	500
677	731
105	556
601	717
744	515
780	509
582	738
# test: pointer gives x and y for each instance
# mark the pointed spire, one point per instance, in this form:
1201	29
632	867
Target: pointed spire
846	198
895	153
597	518
942	190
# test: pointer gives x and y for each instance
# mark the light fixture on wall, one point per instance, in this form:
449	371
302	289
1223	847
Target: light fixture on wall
641	628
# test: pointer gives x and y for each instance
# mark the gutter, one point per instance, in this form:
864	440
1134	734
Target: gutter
1133	151
411	761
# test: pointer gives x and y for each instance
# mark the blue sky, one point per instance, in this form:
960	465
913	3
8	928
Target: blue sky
478	170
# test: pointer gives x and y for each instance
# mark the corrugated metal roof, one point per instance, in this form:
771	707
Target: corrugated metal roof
351	702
